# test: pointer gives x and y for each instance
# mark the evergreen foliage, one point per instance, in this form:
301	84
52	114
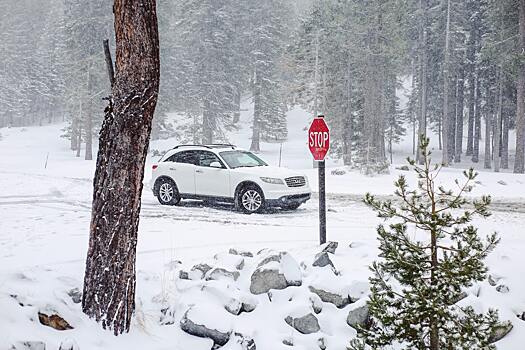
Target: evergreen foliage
418	281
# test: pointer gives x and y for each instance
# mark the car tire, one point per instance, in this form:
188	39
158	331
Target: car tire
292	206
250	199
167	192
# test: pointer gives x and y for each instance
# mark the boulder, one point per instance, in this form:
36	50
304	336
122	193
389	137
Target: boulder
68	344
28	345
219	273
240	252
233	306
500	331
189	326
316	302
276	271
183	275
358	316
202	269
330	247
306	324
76	295
322	259
54	321
502	288
338	300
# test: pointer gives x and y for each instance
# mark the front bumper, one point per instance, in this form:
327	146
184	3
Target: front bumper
289	199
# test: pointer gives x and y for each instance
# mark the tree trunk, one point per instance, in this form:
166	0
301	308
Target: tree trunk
236	105
459	114
505	141
208	122
519	163
89	120
347	118
497	129
487	164
445	123
256	128
422	132
477	122
109	282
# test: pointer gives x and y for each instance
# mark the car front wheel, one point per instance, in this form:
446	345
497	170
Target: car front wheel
251	200
167	192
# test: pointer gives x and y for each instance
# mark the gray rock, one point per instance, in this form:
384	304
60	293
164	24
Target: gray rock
203	268
233	306
522	316
501	331
265	278
68	344
219	273
29	345
339	301
198	330
338	172
306	324
492	281
322	259
288	341
501	182
502	288
183	275
248	307
358	316
330	247
317	303
76	295
240	265
240	252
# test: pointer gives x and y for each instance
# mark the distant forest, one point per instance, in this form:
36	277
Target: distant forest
461	63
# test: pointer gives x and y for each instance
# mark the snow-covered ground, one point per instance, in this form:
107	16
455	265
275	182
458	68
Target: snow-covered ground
44	220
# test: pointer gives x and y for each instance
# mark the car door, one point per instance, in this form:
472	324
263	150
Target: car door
210	181
181	168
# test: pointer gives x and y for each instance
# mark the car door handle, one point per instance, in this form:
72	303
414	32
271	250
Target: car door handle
199	171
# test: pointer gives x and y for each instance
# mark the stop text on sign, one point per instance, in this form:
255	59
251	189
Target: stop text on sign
319	139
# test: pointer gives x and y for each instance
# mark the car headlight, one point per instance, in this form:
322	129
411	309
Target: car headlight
272	180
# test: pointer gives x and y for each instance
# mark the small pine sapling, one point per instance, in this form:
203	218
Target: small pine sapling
419	279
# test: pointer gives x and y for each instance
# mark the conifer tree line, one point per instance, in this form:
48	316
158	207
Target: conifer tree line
460	62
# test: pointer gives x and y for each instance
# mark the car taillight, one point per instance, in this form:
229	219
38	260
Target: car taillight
154	166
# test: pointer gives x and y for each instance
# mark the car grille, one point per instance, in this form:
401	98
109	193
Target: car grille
296	181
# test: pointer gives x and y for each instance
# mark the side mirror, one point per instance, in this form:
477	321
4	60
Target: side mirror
215	165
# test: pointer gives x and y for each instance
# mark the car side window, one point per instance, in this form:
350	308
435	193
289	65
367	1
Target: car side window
186	157
206	158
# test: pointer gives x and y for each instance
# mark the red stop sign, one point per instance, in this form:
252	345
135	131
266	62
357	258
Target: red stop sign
319	138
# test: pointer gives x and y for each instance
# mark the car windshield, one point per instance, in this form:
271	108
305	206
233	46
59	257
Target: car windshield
238	159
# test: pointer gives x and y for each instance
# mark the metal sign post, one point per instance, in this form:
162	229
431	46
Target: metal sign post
319	144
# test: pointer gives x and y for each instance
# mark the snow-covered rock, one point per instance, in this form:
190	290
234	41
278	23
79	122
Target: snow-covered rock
240	342
358	314
202	322
219	273
276	271
75	294
338	300
501	331
234	251
306	324
330	247
322	259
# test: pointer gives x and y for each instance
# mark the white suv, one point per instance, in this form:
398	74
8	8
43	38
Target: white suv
227	174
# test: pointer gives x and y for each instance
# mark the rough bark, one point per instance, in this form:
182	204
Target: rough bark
446	78
422	110
487	164
497	127
347	118
88	154
256	128
109	282
459	114
519	163
477	122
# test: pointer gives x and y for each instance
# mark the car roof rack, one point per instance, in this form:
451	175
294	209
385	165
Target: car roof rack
220	145
179	146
